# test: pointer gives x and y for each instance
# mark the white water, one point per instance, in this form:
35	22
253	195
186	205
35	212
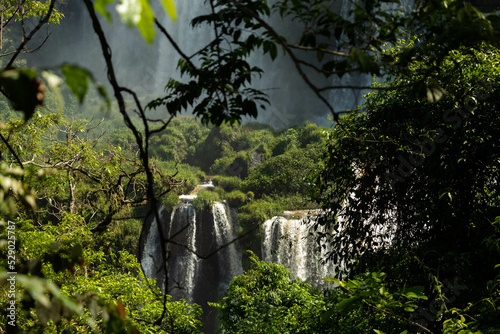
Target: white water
186	267
289	241
151	260
183	269
229	256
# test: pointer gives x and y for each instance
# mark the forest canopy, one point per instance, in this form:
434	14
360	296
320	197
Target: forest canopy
408	182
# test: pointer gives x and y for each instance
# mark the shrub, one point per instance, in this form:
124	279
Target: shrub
281	175
191	176
233	164
170	202
205	199
228	183
236	198
266	299
257	212
124	235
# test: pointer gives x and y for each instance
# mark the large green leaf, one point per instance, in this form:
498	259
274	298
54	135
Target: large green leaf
146	21
347	303
76	79
138	13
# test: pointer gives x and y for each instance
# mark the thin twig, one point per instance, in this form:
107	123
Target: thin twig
42	21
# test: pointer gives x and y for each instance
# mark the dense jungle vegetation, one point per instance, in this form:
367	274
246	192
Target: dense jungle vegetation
407	183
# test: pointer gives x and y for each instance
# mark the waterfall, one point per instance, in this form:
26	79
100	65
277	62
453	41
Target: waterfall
183	265
224	235
288	240
151	258
146	68
202	255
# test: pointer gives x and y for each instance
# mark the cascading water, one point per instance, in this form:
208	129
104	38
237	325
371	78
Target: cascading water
224	235
151	258
203	256
288	240
182	266
147	68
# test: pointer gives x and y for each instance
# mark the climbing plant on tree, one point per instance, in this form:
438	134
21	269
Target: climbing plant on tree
411	185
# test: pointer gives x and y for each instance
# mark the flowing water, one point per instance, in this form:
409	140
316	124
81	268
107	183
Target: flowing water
289	240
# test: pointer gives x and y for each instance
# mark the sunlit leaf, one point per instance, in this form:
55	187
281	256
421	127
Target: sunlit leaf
169	6
130	11
147	19
100	6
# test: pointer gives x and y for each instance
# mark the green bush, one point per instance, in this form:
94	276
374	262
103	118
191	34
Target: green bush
281	175
228	183
266	299
233	164
190	175
124	235
256	212
236	198
285	142
170	202
205	199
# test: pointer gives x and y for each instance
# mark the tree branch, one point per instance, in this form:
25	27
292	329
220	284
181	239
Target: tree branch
42	21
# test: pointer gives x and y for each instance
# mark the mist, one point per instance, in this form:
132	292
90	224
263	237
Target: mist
146	68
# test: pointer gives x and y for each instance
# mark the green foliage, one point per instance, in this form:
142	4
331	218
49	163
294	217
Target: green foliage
77	80
180	140
226	144
286	142
31	8
441	200
256	212
188	176
235	163
137	13
282	174
365	304
426	174
236	198
267	300
228	183
220	90
123	235
12	189
100	290
205	199
170	202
